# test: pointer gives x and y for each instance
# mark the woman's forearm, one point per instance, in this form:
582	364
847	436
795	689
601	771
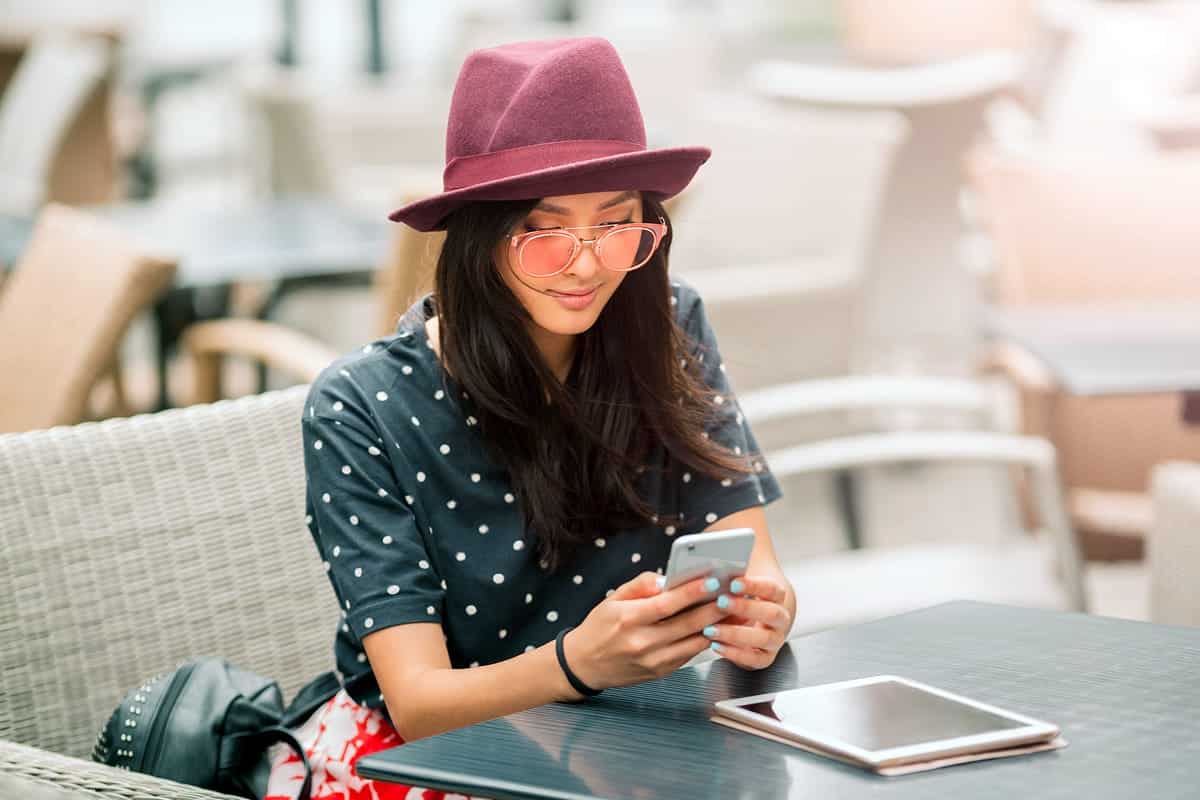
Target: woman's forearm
440	700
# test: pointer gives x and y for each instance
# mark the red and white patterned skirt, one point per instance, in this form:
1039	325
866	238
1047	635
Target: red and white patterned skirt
335	736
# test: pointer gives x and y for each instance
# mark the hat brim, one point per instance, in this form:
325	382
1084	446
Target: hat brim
666	172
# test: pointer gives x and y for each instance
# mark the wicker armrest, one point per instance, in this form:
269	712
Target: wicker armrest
43	775
274	345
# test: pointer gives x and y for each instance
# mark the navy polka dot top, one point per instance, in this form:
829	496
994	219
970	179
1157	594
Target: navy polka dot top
416	523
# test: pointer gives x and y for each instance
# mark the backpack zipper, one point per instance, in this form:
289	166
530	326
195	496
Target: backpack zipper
165	708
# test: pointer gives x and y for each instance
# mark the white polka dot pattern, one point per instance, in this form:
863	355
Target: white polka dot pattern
480	572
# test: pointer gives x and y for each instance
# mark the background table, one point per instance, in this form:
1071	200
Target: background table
276	238
1126	694
1109	351
292	240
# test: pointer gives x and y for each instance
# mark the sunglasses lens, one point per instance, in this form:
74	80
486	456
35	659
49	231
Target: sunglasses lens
546	254
627	248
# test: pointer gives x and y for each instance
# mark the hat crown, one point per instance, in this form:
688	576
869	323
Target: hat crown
532	93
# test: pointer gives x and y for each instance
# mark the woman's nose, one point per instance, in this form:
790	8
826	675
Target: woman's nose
587	263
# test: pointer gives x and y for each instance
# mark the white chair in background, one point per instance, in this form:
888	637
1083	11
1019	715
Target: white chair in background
1173	550
51	86
922	310
775	234
360	141
363	143
1116	62
1043	570
776	228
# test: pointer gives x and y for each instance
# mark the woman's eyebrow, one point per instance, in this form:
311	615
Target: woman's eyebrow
616	201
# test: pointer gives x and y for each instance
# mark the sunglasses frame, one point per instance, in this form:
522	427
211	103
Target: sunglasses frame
519	240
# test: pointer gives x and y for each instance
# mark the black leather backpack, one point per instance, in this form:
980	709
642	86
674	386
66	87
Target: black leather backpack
209	723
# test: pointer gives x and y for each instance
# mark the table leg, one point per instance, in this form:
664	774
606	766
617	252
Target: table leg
173	313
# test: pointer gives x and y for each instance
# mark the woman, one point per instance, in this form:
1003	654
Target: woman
516	460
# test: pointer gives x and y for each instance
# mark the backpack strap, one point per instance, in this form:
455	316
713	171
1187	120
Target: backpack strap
243	745
311	696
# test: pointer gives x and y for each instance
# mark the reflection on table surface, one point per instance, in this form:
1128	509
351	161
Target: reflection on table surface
1122	692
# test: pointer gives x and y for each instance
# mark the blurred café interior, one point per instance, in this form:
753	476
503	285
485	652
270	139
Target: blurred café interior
966	327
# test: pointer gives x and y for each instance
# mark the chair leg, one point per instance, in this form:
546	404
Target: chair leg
847	497
108	398
121	407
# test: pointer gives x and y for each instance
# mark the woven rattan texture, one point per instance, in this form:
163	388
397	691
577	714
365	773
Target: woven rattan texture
27	773
132	545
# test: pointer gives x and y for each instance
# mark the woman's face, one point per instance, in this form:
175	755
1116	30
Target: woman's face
570	302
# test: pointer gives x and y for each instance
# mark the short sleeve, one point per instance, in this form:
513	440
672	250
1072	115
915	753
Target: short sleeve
371	545
703	499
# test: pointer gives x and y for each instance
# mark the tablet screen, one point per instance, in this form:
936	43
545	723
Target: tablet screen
880	716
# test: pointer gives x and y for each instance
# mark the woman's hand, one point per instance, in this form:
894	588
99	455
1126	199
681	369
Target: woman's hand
638	633
757	624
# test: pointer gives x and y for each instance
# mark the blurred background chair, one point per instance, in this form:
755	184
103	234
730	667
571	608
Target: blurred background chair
774	234
134	544
1044	569
918	243
64	312
407	273
1173	549
208	344
1095	232
364	143
921	31
1103	64
55	142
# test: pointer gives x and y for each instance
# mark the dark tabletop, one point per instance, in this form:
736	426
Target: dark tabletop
1109	351
281	237
1126	695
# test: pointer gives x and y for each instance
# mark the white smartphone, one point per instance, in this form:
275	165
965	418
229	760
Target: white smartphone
722	554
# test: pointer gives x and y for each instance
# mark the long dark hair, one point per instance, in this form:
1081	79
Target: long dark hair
573	449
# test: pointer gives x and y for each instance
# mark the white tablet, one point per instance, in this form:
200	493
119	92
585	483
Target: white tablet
886	720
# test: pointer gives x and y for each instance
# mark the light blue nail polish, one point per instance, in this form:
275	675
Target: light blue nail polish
716	648
737	587
712	584
723	602
661	581
710	631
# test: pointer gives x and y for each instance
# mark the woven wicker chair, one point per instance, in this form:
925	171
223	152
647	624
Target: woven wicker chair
133	544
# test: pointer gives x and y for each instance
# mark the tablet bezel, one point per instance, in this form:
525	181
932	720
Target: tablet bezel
1032	730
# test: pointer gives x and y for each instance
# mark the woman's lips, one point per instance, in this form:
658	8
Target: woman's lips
575	300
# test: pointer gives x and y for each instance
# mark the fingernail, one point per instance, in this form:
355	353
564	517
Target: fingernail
712	584
737	587
716	648
723	602
711	631
661	580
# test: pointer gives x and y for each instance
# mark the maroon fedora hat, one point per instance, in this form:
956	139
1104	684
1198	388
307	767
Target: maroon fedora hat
543	118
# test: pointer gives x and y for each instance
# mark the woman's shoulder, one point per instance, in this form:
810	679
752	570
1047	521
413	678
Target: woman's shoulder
688	306
395	370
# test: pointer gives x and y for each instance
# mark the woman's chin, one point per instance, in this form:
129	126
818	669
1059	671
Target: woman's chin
567	323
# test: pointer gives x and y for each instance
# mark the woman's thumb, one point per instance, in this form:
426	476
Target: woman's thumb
647	584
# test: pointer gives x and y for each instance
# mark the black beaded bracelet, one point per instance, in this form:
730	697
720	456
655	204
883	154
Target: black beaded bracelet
576	684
